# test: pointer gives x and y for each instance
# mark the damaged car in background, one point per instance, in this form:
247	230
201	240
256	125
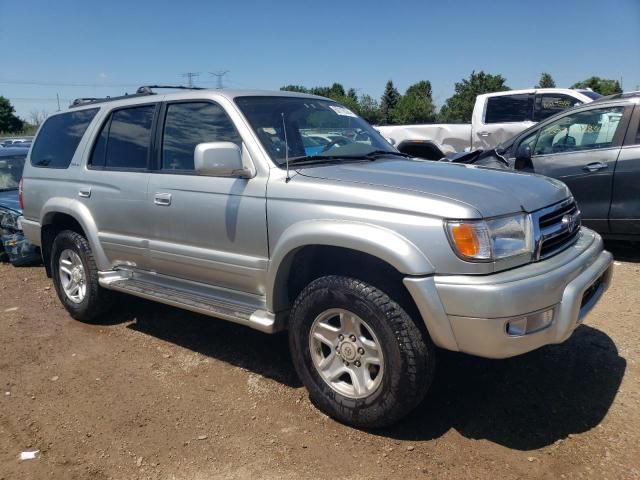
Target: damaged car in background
496	117
594	149
13	246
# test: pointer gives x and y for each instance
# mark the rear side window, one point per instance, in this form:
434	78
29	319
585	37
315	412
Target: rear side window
188	124
59	137
124	140
508	108
548	104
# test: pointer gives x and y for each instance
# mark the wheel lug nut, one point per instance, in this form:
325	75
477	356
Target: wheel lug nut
361	350
346	364
340	337
352	338
357	363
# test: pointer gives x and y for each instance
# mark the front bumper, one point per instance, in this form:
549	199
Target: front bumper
472	314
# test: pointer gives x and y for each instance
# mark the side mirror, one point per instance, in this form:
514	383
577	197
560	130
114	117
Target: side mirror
219	159
523	157
390	140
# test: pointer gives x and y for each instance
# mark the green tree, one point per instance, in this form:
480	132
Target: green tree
546	81
295	88
351	93
600	85
459	107
416	105
9	122
388	102
370	109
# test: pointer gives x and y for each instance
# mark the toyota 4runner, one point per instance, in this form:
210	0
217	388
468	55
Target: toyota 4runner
279	210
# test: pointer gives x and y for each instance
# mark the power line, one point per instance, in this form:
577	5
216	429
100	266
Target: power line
190	76
219	76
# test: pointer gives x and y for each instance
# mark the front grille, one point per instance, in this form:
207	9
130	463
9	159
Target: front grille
558	227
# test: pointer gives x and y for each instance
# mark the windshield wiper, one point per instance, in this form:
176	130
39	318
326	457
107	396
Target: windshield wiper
371	156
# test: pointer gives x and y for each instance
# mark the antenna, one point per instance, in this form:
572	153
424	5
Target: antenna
286	148
219	76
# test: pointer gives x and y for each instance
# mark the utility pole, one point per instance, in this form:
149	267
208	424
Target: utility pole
219	76
190	76
58	98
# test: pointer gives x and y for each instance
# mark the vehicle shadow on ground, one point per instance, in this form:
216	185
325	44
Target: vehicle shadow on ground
624	251
266	355
526	402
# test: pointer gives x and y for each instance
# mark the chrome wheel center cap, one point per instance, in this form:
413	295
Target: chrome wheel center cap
348	351
76	275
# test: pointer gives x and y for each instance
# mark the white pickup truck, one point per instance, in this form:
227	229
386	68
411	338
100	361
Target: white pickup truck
496	118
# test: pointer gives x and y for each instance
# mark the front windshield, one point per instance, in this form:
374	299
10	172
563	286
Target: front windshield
314	128
11	171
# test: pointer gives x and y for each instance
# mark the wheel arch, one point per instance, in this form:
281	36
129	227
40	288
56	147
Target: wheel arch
327	247
60	214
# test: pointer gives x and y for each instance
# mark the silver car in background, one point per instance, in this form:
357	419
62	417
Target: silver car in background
221	202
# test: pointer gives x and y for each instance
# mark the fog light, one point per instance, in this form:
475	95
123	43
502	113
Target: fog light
530	323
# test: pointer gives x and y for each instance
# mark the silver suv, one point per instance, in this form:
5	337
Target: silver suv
279	210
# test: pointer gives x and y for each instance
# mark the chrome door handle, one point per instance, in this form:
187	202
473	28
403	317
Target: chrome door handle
84	192
162	199
595	166
484	134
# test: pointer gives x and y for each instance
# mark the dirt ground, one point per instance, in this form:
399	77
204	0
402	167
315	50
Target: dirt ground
161	393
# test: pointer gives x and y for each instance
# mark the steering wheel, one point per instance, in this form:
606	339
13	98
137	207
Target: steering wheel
337	142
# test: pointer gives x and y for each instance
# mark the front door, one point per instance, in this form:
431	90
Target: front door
582	149
504	116
205	229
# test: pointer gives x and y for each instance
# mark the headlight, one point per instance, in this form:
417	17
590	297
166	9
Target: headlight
491	239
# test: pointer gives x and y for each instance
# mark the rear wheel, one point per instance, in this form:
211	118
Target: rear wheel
361	356
75	277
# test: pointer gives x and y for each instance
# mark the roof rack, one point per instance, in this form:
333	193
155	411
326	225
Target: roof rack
140	92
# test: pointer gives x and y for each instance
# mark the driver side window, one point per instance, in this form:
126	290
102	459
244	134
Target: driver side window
586	130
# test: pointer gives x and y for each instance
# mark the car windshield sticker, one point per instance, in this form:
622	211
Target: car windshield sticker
345	112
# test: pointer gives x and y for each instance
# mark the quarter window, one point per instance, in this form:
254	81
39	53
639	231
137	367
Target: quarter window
188	124
586	130
124	140
59	137
508	108
548	104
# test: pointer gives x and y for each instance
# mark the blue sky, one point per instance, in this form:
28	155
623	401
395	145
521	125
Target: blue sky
86	48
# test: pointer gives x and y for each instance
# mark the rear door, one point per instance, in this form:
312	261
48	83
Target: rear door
503	117
625	204
581	149
547	104
115	184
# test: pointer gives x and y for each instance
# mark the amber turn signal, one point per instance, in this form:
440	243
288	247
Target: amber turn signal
465	238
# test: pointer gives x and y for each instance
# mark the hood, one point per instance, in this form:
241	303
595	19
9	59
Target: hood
9	200
490	192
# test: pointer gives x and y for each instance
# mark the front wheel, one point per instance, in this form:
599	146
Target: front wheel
361	356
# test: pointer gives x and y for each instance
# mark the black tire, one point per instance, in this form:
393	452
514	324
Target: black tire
96	301
409	354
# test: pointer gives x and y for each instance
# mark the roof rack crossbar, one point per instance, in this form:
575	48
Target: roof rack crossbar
148	88
140	92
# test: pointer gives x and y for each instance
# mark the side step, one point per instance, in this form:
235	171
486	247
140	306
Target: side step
234	306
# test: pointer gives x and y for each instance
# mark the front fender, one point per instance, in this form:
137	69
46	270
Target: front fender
82	215
379	242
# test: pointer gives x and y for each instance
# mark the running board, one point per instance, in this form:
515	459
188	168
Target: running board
217	303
